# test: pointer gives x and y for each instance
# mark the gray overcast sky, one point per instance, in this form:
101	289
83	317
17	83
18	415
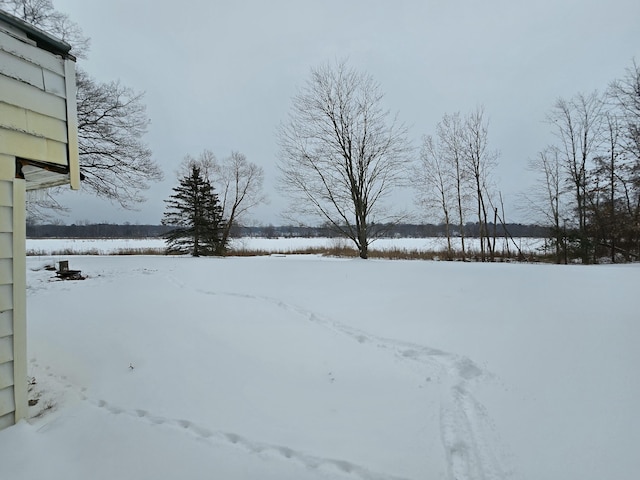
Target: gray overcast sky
220	75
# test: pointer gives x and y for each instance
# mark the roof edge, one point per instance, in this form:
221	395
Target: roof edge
43	39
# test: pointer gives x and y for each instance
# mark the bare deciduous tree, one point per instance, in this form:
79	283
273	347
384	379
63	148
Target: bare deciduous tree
340	155
546	197
114	160
433	180
605	182
598	150
578	128
240	185
206	161
237	181
454	171
625	94
478	162
450	135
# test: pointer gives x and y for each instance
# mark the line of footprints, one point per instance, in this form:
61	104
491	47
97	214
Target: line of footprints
238	441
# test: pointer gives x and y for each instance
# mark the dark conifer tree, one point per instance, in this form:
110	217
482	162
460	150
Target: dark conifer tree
195	211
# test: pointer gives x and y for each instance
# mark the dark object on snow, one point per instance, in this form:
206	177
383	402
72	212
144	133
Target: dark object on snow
64	273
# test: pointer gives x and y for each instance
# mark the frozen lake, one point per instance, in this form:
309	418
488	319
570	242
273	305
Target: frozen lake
275	245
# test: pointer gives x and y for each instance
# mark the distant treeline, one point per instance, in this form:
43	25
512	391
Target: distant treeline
108	230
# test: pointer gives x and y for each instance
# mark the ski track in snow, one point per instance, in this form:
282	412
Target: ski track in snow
329	466
469	439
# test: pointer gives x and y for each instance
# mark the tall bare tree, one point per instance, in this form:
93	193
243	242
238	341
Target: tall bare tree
434	183
455	171
340	154
578	127
451	139
604	185
625	94
546	197
479	161
240	185
598	150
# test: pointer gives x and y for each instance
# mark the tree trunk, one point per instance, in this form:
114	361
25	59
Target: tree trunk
460	210
447	227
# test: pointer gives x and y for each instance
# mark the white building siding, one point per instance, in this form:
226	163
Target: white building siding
13	343
38	148
38	106
7	379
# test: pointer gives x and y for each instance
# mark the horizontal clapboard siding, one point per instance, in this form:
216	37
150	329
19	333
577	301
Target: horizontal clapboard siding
6	219
7	401
33	104
32	74
6	206
6	323
31	98
6	349
23	145
6	271
27	72
7	420
6	193
6	303
6	245
27	52
54	83
6	375
33	123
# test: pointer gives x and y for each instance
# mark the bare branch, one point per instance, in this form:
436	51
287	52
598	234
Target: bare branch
114	160
41	14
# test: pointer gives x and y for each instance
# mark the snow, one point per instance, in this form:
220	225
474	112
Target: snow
303	367
107	246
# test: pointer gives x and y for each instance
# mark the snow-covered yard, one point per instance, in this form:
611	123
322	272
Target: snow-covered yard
302	367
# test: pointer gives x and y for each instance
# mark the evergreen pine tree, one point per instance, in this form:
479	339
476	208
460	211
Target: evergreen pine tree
195	211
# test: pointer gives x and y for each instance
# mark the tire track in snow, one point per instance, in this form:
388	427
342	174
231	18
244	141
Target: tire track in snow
326	465
472	447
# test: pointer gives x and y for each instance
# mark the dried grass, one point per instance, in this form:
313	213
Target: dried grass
338	250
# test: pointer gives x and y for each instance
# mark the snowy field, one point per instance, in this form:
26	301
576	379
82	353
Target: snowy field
302	367
48	246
